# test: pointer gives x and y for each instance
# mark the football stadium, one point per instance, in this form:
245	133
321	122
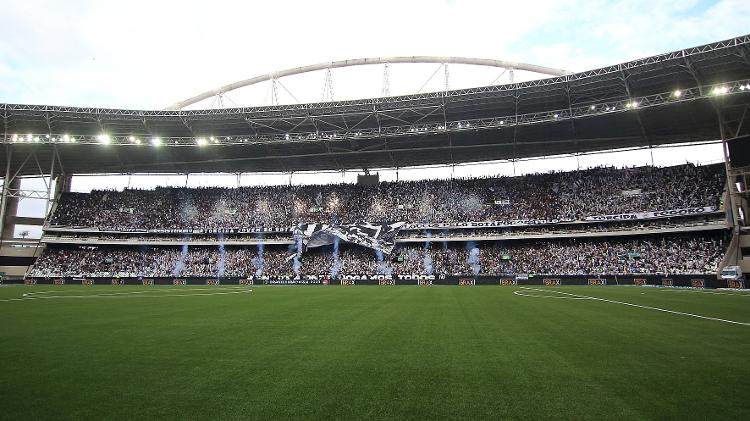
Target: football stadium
346	287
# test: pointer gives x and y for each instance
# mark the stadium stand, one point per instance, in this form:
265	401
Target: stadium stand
564	228
556	196
683	254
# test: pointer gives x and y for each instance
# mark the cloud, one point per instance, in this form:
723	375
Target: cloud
141	54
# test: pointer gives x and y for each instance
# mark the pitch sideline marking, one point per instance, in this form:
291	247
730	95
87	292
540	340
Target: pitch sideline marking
681	313
124	295
732	294
33	294
520	293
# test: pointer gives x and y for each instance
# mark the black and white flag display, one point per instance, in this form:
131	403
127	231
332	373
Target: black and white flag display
380	237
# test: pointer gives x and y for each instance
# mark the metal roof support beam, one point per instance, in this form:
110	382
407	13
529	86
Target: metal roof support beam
49	188
363	62
185	123
570	110
252	125
624	79
742	120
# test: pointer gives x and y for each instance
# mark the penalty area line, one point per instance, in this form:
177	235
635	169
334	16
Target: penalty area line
664	310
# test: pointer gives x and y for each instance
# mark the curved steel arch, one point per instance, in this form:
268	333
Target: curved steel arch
367	61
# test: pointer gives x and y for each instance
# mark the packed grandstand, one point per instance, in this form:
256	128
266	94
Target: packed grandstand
600	221
679	222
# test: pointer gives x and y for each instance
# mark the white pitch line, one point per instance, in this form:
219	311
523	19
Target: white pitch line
108	294
733	294
125	295
520	293
681	313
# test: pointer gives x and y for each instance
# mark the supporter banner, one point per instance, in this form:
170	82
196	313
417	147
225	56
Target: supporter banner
653	214
487	224
414	226
245	230
633	192
386	279
380	237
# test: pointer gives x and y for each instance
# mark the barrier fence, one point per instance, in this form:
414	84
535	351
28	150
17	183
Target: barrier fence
692	281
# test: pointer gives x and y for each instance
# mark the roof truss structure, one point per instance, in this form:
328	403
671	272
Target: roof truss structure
668	98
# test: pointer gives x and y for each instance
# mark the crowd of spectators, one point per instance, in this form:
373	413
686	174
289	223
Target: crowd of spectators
668	254
559	195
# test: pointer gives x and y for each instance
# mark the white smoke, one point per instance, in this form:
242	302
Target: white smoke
383	267
297	264
336	266
473	259
222	257
427	259
258	261
180	264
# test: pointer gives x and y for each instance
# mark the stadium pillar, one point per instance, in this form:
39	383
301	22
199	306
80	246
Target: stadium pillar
734	254
6	187
9	209
731	198
62	185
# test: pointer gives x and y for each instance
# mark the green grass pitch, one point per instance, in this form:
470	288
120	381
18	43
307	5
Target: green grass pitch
370	352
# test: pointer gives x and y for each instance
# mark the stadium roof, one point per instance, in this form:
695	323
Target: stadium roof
669	98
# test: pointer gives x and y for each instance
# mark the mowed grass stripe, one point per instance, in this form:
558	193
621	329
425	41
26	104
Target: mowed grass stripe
371	352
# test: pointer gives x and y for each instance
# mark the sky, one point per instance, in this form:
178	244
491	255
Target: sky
150	54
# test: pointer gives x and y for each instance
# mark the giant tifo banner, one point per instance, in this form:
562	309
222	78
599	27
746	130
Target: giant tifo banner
652	214
381	237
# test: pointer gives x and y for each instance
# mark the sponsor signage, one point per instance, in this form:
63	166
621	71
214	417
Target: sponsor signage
735	284
698	283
